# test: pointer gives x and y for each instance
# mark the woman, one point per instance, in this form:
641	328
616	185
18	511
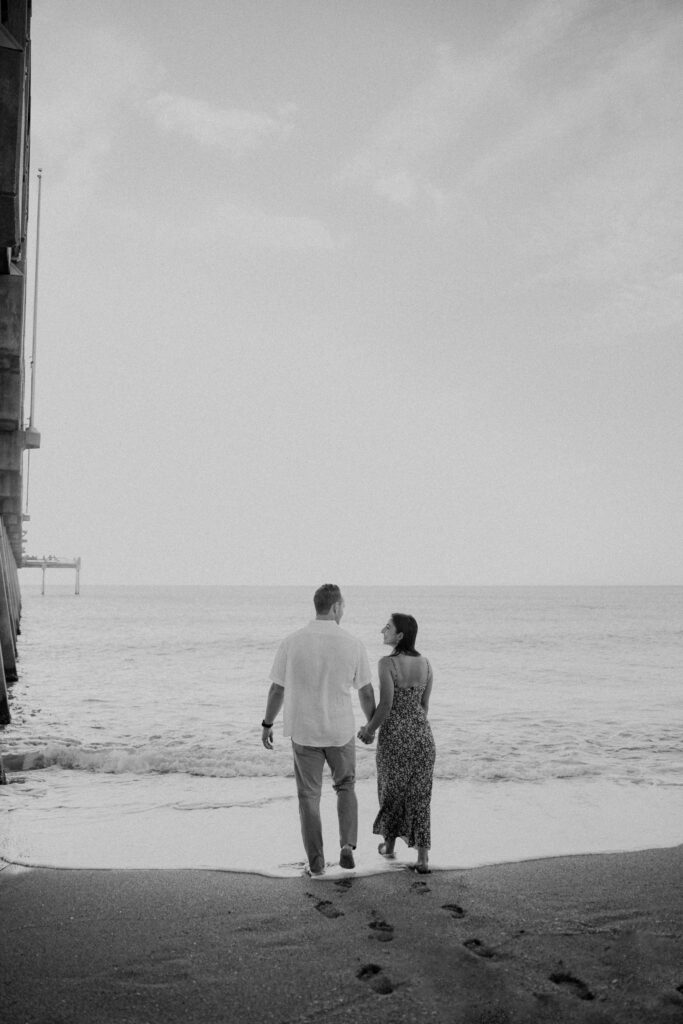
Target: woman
405	747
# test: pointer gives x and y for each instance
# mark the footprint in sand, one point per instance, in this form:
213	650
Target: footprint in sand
343	883
384	932
327	908
453	909
374	976
477	947
572	984
420	888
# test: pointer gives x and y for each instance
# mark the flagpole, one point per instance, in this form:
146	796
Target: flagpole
33	349
35	308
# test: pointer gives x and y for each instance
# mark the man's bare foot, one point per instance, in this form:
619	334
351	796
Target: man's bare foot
346	857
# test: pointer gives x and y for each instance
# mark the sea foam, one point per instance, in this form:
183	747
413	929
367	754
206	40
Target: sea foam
252	825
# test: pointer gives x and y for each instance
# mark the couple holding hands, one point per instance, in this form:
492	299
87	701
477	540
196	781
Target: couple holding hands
314	672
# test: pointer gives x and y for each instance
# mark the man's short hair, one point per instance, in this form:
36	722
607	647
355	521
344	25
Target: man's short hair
325	597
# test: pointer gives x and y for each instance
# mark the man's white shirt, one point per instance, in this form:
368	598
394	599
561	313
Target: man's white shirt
318	666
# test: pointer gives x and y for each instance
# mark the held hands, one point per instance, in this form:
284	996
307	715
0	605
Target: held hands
365	734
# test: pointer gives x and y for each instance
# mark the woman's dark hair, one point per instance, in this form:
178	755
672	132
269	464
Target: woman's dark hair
407	625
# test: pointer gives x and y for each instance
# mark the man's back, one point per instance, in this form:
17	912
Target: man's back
313	674
318	666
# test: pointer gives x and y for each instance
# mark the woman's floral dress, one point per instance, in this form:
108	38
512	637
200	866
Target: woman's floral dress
405	767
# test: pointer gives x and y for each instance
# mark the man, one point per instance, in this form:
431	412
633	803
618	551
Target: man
313	674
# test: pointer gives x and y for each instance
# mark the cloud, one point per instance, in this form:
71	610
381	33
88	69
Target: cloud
628	87
398	161
234	130
391	162
602	166
81	120
399	188
217	225
561	140
615	228
243	224
76	117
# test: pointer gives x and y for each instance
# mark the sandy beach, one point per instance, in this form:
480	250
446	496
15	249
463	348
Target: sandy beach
594	938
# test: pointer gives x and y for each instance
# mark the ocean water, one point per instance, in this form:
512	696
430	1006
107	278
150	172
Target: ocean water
135	739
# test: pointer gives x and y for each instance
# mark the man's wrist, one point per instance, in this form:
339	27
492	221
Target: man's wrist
266	725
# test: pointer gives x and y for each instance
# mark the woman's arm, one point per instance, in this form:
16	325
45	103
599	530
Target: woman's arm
386	699
428	688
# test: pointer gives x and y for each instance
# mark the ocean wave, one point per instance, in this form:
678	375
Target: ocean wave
511	765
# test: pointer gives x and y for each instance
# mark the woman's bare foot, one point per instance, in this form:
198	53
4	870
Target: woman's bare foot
422	866
387	848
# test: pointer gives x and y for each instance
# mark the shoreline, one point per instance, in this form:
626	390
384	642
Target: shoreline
74	820
333	871
592	937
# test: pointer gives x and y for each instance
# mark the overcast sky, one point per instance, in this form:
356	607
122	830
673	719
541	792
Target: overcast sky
387	291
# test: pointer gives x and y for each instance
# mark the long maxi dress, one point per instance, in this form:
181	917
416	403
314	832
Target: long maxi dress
405	767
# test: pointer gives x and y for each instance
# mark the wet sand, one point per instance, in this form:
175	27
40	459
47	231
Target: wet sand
596	938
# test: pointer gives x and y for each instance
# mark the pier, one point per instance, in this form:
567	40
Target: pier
51	562
16	435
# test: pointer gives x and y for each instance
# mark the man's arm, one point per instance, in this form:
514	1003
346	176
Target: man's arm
276	696
366	696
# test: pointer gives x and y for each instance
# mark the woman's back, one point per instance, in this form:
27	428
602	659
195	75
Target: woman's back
405	755
408	672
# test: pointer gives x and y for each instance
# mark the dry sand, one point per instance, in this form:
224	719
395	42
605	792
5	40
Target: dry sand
595	938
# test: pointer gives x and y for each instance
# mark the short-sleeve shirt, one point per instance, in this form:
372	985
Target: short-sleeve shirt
318	666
